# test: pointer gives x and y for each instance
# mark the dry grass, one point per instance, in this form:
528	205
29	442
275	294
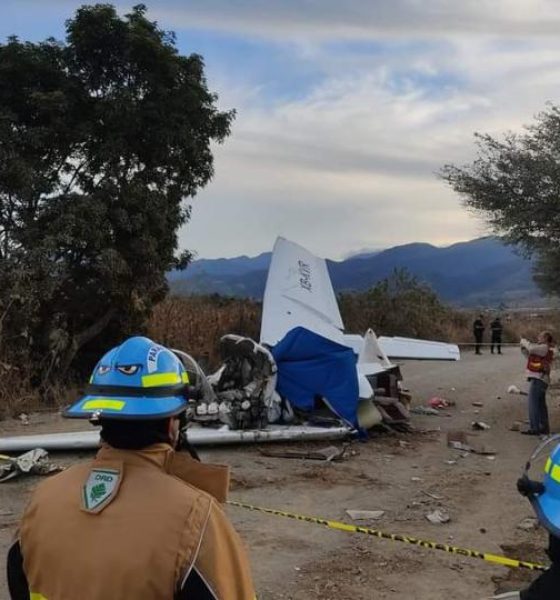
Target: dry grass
196	324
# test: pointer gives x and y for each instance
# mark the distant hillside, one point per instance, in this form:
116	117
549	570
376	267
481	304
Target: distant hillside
482	272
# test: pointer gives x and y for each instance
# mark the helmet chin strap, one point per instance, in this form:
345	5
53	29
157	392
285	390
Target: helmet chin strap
539	450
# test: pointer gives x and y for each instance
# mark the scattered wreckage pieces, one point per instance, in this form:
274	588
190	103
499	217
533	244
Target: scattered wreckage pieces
480	426
392	410
432	496
34	462
438	517
434	407
365	515
425	410
327	454
437	402
513	389
458	440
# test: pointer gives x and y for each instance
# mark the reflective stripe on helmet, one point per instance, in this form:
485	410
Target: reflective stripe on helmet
101	403
36	596
553	470
555	473
159	379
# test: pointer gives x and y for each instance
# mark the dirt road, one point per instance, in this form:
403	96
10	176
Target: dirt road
295	560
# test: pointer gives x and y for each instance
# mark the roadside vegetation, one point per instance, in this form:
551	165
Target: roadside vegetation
399	305
105	137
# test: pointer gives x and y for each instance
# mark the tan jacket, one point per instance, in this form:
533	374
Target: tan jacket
131	526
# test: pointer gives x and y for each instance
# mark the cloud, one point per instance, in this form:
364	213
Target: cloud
347	110
352	163
355	19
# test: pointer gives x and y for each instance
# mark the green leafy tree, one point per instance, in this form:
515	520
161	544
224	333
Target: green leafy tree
514	183
103	139
398	305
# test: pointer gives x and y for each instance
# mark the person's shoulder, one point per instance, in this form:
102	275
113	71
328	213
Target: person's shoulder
66	477
187	491
61	484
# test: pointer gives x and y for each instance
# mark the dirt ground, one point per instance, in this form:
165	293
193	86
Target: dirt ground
394	473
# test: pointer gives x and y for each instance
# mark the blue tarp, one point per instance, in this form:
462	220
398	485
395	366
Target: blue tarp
310	365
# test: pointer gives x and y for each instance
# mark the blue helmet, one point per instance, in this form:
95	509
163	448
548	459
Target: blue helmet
544	495
547	504
137	380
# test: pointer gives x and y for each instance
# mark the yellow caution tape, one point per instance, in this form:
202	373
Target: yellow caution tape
339	526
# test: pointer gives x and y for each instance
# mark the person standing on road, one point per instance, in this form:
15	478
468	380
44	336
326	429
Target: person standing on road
142	520
478	332
539	364
496	328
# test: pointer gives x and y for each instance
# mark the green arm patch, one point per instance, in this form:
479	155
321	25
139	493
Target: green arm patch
100	489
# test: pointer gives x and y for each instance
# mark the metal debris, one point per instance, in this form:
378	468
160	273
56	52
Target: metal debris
438	517
437	402
365	515
432	496
34	462
328	454
513	389
458	440
480	426
424	410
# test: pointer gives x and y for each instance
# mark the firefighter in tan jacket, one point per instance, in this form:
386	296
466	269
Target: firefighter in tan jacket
140	522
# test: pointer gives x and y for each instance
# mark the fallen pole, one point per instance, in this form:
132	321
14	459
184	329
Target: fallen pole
395	537
89	440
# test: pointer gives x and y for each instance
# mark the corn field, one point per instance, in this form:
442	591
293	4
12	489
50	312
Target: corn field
196	324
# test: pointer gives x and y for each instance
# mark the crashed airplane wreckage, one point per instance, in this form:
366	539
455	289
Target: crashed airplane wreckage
304	373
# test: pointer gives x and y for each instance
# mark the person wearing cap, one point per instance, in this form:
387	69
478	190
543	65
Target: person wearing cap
545	500
142	520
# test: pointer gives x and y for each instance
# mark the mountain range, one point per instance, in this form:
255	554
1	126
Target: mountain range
480	272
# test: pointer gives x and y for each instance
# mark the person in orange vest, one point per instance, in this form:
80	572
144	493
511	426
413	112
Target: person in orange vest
142	520
539	364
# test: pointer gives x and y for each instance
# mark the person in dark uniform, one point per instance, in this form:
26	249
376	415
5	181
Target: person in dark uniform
496	328
478	332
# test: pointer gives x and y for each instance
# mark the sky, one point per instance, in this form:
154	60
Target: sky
346	110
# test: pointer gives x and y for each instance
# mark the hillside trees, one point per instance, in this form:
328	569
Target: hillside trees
514	183
398	305
102	138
